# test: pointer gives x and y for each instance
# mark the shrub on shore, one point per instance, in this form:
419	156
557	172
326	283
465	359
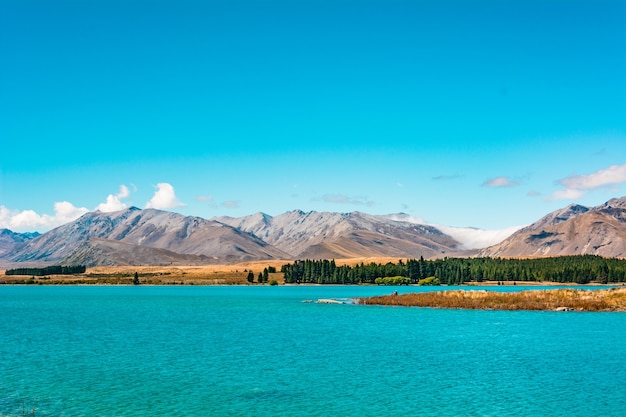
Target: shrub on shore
393	281
429	281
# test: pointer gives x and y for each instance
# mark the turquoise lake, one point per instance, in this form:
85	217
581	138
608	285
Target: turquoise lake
261	351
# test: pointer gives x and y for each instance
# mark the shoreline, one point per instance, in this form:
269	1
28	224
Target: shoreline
231	274
239	273
562	299
127	282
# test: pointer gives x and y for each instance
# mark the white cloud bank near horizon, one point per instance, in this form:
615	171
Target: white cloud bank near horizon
64	212
29	220
468	237
164	197
472	238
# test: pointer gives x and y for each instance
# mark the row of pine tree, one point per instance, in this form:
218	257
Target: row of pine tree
580	269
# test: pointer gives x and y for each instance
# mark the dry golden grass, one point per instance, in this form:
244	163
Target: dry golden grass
158	275
367	261
224	274
566	299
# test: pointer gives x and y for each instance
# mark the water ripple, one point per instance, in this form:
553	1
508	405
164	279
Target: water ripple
260	351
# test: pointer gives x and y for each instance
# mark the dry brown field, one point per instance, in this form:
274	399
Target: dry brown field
224	274
156	275
613	299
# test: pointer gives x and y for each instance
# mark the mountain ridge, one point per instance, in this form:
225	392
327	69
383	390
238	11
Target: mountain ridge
9	240
296	232
188	235
136	236
573	230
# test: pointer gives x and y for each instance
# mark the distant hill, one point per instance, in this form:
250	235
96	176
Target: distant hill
574	230
149	228
327	235
104	252
155	237
10	240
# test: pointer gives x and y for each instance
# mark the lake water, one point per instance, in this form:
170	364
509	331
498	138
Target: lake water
260	351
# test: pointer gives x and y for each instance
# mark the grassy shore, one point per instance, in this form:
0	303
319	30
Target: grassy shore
557	300
219	274
154	275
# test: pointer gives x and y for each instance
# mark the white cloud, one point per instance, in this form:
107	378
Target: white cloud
567	194
67	212
344	199
124	192
64	212
615	174
500	182
164	197
577	185
113	202
468	237
447	177
29	220
231	204
204	198
471	238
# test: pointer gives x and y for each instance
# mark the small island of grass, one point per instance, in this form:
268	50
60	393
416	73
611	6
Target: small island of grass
551	300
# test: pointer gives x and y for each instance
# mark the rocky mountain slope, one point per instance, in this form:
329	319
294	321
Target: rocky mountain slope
148	228
573	230
104	252
9	240
155	237
317	235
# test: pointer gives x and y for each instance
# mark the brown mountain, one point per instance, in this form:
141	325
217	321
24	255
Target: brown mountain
104	252
574	230
148	229
155	237
9	240
317	235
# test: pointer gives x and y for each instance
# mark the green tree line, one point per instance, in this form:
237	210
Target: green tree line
263	277
48	270
580	269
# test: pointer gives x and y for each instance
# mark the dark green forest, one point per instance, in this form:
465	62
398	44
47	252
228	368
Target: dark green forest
580	269
48	270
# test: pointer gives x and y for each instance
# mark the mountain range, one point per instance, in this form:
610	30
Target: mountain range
154	237
572	230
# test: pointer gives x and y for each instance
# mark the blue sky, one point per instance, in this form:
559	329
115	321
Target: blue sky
464	113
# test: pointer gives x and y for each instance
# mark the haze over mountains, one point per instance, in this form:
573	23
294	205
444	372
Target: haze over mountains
154	237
